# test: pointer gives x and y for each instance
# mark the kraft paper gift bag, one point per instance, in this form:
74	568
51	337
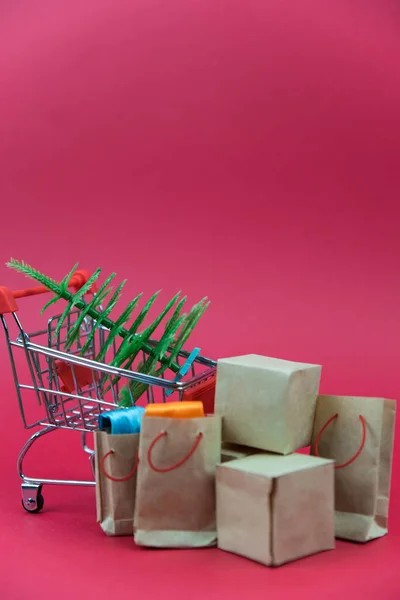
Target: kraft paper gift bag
175	499
274	509
116	459
358	433
267	403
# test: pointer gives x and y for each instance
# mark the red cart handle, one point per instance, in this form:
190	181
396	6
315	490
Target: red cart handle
360	449
8	297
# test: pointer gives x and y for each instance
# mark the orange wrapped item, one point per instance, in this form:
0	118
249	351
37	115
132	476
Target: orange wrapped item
176	410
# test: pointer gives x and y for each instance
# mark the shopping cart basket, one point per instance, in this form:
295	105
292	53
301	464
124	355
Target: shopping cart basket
58	389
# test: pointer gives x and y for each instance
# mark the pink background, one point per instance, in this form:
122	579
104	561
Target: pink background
247	150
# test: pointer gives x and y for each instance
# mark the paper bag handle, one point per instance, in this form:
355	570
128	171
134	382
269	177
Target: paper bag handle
356	455
104	471
180	462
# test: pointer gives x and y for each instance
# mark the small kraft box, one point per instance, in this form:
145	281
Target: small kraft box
267	403
275	509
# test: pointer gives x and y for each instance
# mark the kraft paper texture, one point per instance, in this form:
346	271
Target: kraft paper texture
176	509
275	509
362	488
115	501
267	403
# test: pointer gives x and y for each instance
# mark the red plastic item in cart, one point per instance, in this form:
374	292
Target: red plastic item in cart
83	376
204	391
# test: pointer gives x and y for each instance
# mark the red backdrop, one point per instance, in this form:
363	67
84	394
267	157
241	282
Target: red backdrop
244	150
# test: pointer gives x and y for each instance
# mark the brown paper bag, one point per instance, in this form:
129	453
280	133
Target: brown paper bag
275	509
266	403
115	467
175	499
358	433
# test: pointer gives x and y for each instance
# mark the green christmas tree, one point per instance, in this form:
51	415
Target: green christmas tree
176	331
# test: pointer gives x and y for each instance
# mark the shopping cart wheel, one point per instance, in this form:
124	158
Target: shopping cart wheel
32	498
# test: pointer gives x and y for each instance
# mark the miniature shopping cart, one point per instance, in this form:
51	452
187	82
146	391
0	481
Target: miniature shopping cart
58	389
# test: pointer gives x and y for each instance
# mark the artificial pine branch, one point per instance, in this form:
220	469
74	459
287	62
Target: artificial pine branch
191	321
125	351
134	389
101	295
133	342
66	295
128	351
77	297
172	326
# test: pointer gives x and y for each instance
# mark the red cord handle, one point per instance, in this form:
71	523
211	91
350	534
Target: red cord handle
104	471
356	455
180	462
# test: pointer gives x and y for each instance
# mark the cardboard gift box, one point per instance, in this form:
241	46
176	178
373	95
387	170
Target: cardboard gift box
275	509
267	403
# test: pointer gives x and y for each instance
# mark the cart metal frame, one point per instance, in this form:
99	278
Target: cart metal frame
47	404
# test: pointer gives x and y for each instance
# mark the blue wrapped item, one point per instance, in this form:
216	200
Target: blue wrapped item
123	420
